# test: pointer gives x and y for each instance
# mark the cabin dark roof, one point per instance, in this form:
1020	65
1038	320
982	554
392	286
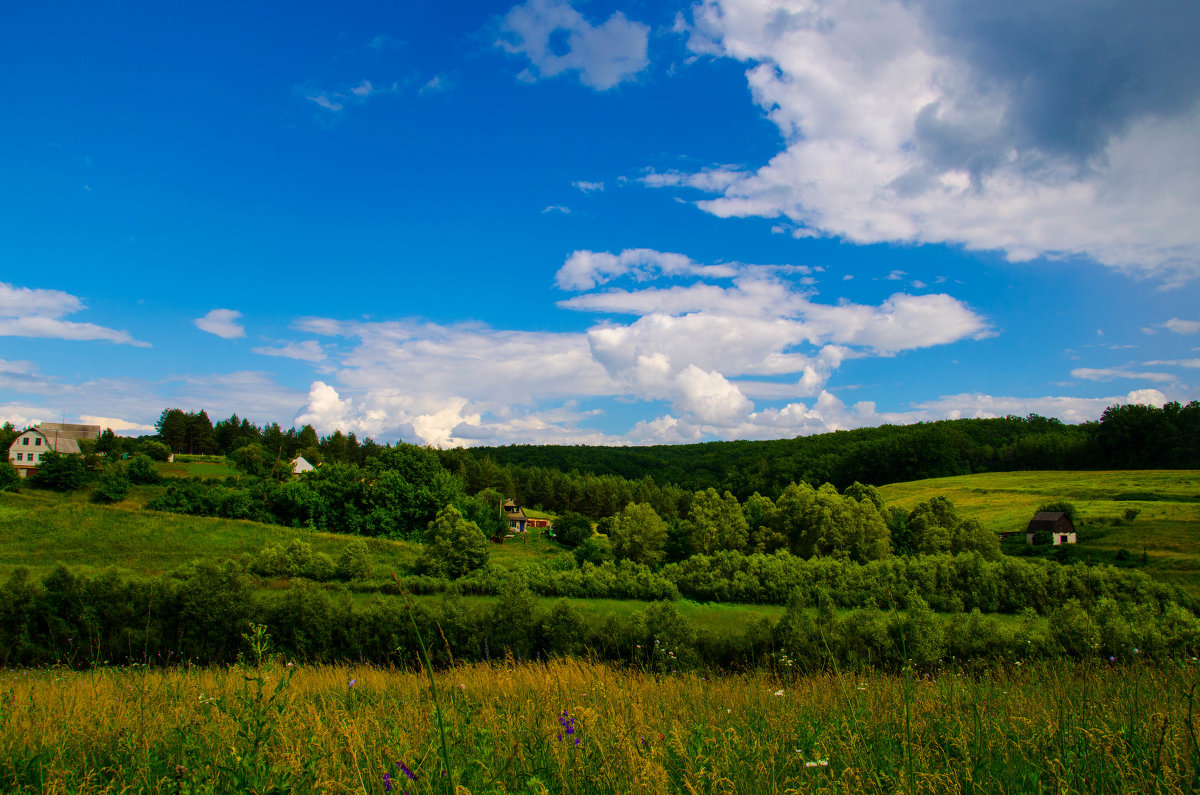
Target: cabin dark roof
1047	520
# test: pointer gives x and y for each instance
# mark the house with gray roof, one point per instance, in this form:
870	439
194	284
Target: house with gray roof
25	453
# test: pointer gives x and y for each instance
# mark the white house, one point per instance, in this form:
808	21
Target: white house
301	466
25	453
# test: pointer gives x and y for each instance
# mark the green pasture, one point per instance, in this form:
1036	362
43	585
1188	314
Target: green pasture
1166	528
208	469
39	530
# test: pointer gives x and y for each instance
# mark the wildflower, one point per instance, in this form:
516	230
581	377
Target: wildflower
387	783
1137	651
404	769
779	692
353	682
1112	659
568	724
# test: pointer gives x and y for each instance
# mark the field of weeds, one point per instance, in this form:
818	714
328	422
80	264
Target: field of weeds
571	726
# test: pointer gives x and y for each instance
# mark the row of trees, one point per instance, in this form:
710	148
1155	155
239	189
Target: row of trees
805	522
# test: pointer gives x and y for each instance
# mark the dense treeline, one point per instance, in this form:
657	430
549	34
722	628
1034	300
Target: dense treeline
194	433
202	614
1126	437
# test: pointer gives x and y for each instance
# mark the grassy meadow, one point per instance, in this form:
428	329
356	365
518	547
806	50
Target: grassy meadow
572	726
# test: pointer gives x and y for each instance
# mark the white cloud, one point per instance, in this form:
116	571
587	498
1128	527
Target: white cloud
1113	373
588	187
605	55
933	122
584	270
306	351
325	102
26	312
556	208
1191	363
1183	326
706	349
117	424
222	322
437	84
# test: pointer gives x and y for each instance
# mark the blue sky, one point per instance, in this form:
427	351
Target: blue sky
597	222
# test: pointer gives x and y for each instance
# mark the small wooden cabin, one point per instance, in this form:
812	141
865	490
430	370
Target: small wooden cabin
515	517
1056	523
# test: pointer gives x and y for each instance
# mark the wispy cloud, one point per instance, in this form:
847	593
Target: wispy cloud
604	55
306	351
26	312
588	187
222	322
1114	373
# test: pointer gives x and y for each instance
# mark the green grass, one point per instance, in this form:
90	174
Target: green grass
39	529
1167	526
209	470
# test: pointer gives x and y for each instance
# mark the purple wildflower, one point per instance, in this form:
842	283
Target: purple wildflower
387	783
353	682
568	723
404	769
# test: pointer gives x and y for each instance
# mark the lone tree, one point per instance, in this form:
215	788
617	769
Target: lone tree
453	546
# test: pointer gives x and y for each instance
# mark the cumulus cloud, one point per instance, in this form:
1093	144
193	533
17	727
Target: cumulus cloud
715	340
556	39
1033	129
588	187
26	312
222	322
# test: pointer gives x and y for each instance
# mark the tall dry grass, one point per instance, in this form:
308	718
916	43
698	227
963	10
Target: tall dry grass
570	726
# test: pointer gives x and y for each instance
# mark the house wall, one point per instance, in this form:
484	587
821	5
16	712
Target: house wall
26	452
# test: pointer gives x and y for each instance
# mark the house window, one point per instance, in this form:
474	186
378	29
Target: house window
1062	539
25	441
19	456
37	441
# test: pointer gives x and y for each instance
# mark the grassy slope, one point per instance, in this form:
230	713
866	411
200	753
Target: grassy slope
1167	525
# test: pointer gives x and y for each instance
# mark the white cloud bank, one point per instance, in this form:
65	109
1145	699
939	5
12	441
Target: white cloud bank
1033	129
26	312
712	341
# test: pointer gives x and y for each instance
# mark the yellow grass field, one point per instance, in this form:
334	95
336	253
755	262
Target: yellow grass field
571	726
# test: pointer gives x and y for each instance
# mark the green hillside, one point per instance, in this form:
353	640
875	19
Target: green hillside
1166	527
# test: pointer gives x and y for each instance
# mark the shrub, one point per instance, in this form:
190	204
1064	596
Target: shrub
454	546
320	568
60	472
113	484
141	470
354	563
8	476
595	550
572	529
